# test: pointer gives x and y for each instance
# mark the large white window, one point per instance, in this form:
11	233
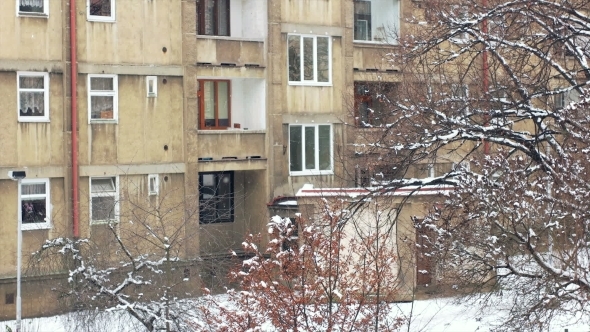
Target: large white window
102	98
101	10
33	96
376	20
32	7
310	149
310	60
104	199
35	204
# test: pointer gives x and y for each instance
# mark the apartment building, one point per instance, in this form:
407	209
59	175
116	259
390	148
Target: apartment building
223	109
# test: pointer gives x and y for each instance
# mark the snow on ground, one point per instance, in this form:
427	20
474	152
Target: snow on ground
436	315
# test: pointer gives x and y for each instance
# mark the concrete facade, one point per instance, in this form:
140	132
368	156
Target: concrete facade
178	131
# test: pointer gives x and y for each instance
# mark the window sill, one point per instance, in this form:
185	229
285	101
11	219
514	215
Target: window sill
101	19
35	15
39	120
310	83
374	44
103	222
259	40
230	131
32	227
311	173
105	121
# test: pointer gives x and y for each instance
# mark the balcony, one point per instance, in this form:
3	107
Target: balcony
231	150
227	51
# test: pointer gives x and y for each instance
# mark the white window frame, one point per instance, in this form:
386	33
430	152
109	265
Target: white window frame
315	60
44	14
47	196
395	24
156	189
154	80
114	93
104	194
315	170
45	117
96	18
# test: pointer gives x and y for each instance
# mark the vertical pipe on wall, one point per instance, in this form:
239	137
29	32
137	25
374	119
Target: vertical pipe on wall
74	115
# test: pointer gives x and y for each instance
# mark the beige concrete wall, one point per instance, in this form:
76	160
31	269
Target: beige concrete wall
238	52
148	129
140	32
31	38
315	12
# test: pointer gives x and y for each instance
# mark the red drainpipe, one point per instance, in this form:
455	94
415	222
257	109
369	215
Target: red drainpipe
486	83
74	109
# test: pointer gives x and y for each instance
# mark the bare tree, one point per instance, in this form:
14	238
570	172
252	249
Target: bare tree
500	88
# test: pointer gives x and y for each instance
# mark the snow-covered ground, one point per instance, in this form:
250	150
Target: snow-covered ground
444	314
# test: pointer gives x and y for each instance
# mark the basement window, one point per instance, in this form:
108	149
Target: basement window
102	98
32	7
101	10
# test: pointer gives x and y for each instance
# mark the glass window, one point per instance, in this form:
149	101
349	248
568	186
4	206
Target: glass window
309	60
373	103
34	201
33	96
104	200
216	197
102	98
33	7
310	149
376	20
101	10
213	17
214	104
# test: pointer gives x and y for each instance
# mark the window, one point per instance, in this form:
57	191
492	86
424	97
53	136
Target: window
102	98
216	197
309	60
372	102
153	184
214	104
376	175
151	83
33	7
376	20
459	98
101	10
33	96
104	199
310	149
213	17
35	204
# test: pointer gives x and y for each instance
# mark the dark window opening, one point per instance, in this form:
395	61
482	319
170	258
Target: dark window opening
216	197
213	17
373	101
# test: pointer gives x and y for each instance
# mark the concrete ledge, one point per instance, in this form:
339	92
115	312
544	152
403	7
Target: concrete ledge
232	165
52	66
102	170
129	69
312	29
35	171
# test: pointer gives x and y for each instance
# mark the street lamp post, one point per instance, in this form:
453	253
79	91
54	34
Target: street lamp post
18	176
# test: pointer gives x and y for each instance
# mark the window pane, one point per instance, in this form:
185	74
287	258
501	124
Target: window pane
101	84
223	100
224	197
209	103
207	14
307	58
33	210
100	7
31	6
101	107
103	208
102	185
31	82
362	20
323	59
295	142
294	58
222	17
325	148
310	148
33	189
32	104
216	197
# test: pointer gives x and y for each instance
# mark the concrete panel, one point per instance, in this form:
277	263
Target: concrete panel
232	165
235	143
230	72
318	12
225	50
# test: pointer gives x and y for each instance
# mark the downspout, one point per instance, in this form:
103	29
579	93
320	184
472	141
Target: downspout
486	83
74	115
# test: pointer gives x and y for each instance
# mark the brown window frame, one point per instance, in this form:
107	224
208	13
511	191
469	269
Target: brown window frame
202	124
201	18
